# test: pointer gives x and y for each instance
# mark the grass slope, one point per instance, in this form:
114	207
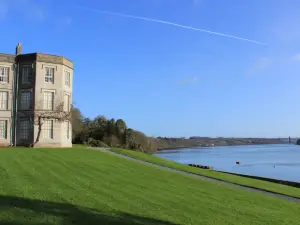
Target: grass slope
79	186
268	186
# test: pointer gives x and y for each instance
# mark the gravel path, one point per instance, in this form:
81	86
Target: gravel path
285	197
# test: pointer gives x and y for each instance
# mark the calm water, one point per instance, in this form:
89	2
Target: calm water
257	160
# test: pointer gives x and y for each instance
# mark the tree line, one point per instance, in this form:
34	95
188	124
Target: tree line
104	132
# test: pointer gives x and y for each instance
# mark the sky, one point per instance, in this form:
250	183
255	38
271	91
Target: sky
172	80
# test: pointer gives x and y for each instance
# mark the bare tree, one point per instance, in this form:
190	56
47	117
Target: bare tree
58	115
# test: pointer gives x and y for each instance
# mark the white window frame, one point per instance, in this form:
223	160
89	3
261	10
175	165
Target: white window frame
3	101
4	74
47	102
67	129
67	104
3	129
26	103
48	129
49	75
26	74
67	78
24	129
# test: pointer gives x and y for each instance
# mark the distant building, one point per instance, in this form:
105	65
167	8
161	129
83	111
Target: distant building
31	82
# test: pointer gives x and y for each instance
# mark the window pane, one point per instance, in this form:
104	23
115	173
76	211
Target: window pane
49	75
24	129
3	129
48	129
67	78
3	74
48	100
3	99
25	100
26	74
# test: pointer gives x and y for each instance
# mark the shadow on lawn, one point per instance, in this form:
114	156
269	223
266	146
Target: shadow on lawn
34	212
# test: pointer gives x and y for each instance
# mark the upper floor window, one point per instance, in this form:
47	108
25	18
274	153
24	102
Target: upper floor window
3	129
3	100
26	100
26	74
48	100
4	74
48	129
67	78
67	103
49	76
24	129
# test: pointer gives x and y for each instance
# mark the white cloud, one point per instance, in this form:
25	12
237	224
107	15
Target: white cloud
259	66
189	80
297	57
274	63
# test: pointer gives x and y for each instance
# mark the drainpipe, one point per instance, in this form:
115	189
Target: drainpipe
16	104
13	103
15	89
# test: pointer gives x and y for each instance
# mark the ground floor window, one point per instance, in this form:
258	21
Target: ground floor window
3	129
24	128
48	129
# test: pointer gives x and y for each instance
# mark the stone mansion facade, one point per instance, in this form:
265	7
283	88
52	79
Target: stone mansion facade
29	83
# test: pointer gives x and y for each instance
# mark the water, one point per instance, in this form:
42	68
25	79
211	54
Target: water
272	161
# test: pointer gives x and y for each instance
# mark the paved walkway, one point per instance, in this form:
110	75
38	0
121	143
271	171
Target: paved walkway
281	196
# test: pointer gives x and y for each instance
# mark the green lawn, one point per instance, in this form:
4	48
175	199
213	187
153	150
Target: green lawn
268	186
79	146
80	186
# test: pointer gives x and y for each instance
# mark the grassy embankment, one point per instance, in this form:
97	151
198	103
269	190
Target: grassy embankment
79	186
268	186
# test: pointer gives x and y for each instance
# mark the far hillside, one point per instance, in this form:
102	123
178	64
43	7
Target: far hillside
171	143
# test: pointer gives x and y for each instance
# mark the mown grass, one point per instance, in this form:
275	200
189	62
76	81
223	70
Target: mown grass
81	186
268	186
79	146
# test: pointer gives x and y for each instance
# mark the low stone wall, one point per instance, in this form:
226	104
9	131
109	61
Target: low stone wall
284	182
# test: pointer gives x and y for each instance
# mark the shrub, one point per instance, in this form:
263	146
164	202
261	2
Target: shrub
92	142
96	143
102	144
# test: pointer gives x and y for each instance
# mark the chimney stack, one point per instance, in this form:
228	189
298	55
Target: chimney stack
18	49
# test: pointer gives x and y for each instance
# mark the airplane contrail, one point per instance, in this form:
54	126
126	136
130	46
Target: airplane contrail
169	23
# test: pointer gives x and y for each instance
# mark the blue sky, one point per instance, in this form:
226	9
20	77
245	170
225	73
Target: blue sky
166	80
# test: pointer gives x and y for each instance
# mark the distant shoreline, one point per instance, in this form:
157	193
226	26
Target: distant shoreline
207	146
